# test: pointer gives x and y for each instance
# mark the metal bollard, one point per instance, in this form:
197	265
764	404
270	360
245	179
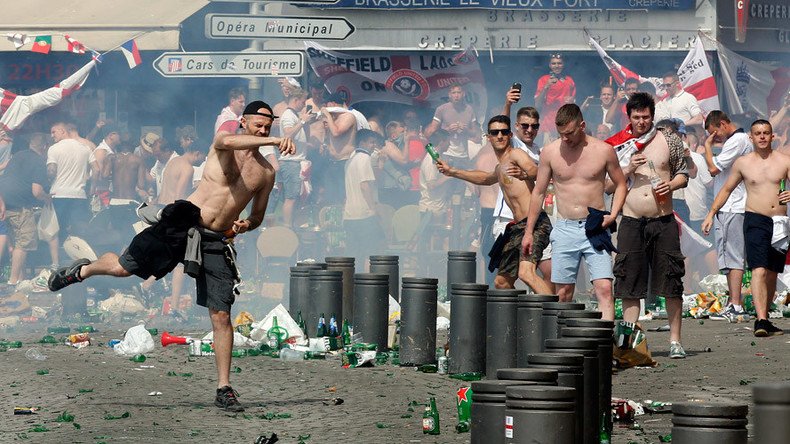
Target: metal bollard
299	291
461	267
501	322
346	266
589	349
564	315
389	266
542	376
771	411
468	315
418	321
549	316
709	423
371	308
601	331
539	414
317	265
326	291
570	373
488	410
529	336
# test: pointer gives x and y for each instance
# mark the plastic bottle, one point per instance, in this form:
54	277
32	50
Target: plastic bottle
430	419
289	354
548	202
655	180
35	354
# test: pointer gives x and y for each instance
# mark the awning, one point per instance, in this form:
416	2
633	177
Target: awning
98	24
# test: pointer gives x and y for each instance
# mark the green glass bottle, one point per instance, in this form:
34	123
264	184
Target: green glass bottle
432	152
239	353
276	335
138	358
782	188
58	330
321	330
48	339
430	419
153	331
604	436
468	376
86	329
314	355
464	401
346	333
428	368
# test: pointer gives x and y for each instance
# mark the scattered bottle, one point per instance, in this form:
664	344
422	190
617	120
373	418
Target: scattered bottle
464	404
430	419
11	344
333	330
35	354
276	335
138	358
153	331
288	354
48	339
432	152
428	368
321	330
346	333
604	436
58	330
468	376
239	353
85	329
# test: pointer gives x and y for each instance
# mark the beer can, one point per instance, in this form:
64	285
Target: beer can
201	348
442	365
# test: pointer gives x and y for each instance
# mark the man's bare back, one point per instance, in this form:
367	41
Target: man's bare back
126	174
176	180
578	174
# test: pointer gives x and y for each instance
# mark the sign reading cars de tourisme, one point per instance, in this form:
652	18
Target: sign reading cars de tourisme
270	63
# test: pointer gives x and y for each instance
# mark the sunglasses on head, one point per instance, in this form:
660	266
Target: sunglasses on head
556	55
527	126
495	132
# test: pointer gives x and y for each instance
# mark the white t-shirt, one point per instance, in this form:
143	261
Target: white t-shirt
683	106
436	199
696	191
358	169
73	161
289	119
501	209
225	115
736	146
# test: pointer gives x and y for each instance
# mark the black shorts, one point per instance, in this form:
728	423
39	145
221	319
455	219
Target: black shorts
648	244
157	250
757	233
217	277
511	253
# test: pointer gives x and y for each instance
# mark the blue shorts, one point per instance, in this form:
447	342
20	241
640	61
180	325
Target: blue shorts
569	244
291	178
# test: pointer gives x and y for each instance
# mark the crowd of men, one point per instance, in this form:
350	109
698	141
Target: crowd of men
557	156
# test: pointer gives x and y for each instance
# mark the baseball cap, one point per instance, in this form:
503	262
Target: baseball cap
253	107
148	140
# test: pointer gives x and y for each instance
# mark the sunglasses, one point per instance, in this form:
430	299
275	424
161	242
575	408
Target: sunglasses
496	132
556	55
527	126
666	85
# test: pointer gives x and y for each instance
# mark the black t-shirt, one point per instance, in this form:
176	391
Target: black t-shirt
23	170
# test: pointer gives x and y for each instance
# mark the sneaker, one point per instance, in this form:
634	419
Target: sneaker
764	328
729	314
227	399
67	275
676	351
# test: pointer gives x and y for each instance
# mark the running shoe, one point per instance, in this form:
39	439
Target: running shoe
676	351
67	275
227	399
764	328
729	314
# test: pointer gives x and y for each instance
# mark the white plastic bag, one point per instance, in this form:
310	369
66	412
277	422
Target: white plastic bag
48	226
136	340
239	340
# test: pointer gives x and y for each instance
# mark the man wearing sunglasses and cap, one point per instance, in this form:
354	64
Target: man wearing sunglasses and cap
199	232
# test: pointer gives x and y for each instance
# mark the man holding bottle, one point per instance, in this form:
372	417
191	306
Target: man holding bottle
765	223
648	238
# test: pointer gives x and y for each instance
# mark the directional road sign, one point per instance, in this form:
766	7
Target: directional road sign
236	26
230	64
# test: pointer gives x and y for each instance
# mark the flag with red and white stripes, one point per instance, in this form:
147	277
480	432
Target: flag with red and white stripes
15	109
74	46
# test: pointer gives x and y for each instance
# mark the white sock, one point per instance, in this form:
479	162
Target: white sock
737	307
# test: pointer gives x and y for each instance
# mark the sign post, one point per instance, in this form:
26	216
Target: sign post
236	26
271	63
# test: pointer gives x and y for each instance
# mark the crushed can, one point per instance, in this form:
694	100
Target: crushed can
201	348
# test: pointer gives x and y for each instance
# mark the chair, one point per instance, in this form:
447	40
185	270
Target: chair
405	222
